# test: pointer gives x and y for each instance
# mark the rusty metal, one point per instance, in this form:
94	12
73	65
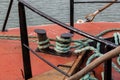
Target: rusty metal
95	63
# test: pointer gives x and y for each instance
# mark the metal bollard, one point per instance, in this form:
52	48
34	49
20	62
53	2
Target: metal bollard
43	41
63	44
66	35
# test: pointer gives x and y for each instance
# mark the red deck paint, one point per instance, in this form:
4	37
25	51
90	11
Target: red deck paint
11	55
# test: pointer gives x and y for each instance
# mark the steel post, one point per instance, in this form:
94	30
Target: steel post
71	14
107	65
24	40
7	15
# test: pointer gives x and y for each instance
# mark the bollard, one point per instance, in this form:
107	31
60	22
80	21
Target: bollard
43	41
63	44
66	35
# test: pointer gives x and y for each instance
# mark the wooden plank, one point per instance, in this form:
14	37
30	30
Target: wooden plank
55	75
76	65
52	74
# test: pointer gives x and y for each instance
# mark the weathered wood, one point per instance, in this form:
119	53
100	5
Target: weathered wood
75	65
52	74
96	63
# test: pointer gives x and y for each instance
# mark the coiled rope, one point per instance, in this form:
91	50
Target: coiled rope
98	54
43	44
62	45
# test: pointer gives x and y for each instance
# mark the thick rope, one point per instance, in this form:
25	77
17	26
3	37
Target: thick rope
79	46
43	44
117	41
62	45
95	63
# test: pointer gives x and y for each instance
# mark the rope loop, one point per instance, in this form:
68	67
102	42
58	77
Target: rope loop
43	44
62	45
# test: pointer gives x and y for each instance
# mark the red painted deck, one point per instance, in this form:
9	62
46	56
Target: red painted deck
11	55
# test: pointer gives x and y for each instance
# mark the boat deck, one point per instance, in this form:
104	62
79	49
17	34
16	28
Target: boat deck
11	56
